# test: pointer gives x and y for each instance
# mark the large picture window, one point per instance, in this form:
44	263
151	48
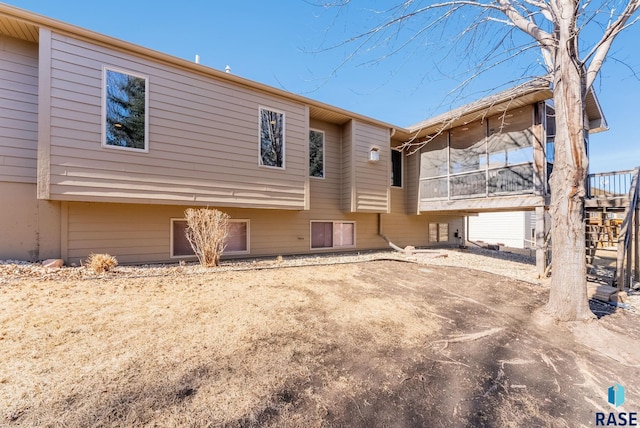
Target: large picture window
316	154
237	239
333	234
125	110
271	138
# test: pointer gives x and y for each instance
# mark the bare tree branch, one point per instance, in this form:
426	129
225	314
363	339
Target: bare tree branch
601	49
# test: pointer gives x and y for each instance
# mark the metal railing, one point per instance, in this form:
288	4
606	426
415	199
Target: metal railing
615	184
627	263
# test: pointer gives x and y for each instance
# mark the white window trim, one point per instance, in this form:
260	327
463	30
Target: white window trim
284	138
333	222
229	253
324	157
401	186
104	110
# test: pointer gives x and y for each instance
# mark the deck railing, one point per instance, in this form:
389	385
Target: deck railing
615	184
627	261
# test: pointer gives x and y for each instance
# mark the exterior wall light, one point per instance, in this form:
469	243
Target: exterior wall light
374	155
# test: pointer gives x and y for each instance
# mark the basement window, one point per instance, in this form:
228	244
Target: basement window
237	240
333	234
438	232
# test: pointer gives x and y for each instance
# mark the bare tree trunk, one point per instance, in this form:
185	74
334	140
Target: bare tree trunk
568	299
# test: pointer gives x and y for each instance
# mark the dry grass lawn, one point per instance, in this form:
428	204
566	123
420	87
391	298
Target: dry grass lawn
369	344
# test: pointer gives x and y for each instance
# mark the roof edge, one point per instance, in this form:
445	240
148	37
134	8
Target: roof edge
38	20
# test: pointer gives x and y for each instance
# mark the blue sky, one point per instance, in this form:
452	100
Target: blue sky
284	44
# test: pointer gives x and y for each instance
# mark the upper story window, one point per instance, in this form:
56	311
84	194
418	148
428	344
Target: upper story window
271	138
316	154
125	110
396	168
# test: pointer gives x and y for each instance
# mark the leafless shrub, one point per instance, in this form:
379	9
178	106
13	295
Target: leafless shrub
100	263
207	231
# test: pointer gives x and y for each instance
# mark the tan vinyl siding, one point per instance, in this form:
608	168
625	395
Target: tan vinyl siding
403	229
30	227
18	110
203	138
326	192
137	233
371	178
347	165
412	183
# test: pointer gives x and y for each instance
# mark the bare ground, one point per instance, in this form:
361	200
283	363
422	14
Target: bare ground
381	343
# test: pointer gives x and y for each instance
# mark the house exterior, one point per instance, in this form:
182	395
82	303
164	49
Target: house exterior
104	144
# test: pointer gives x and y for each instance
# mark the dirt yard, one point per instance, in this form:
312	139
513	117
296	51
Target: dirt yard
379	343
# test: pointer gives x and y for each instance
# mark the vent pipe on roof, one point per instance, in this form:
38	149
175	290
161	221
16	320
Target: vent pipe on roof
227	69
197	59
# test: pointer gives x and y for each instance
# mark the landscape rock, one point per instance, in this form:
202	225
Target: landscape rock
53	263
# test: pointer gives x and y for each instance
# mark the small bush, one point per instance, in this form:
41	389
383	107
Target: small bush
207	231
100	263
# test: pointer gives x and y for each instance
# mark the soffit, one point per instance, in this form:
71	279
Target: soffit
18	29
327	115
520	96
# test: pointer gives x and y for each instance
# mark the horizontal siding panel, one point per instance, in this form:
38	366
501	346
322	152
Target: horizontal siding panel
86	116
397	201
140	234
18	110
62	108
64	77
68	49
75	138
203	134
17	83
11	98
12	178
142	198
21	173
16	161
76	97
372	178
70	84
16	67
76	125
222	171
188	190
138	242
16	124
122	252
18	148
